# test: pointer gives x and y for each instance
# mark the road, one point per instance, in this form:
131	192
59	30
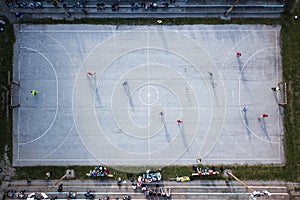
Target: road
187	190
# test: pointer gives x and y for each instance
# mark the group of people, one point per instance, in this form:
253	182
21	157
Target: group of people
115	6
158	192
141	186
98	171
151	192
100	6
23	4
147	6
81	4
204	172
10	193
89	195
150	177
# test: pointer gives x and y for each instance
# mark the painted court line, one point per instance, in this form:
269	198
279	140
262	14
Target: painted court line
184	60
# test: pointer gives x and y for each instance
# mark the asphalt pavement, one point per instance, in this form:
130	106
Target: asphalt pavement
188	72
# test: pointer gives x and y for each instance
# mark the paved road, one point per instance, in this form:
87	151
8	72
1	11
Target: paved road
190	190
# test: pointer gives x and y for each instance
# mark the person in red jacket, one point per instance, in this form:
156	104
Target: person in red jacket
263	116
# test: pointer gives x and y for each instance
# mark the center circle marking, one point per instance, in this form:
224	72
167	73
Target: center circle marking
122	136
148	95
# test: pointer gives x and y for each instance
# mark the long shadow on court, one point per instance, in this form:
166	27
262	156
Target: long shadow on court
277	102
93	85
243	78
247	124
275	97
127	91
182	132
97	98
263	127
213	85
165	128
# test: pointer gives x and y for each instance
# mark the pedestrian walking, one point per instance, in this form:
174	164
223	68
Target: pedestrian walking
33	92
85	12
161	114
238	54
119	182
263	116
245	109
60	188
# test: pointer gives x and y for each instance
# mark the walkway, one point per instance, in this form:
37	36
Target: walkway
73	9
189	190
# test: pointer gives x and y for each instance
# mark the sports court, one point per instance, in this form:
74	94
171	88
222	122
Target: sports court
141	80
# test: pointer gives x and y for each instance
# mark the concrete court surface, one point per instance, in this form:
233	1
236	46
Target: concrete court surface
144	79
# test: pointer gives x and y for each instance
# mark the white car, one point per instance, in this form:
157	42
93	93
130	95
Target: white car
44	195
31	196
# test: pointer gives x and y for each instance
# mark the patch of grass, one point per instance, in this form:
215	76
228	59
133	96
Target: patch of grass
7	40
252	172
259	172
290	40
152	21
291	73
173	171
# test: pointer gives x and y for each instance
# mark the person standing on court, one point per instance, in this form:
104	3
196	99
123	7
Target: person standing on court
179	121
33	92
275	89
264	115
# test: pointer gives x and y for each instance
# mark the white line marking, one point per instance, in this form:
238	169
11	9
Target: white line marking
179	186
211	96
56	109
63	95
241	112
141	31
146	159
174	193
243	149
276	50
148	77
19	110
234	46
189	31
74	90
